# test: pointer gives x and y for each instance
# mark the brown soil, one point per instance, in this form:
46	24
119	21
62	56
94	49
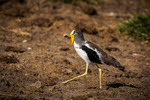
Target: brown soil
35	57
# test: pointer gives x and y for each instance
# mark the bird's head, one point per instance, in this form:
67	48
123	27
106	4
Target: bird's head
74	34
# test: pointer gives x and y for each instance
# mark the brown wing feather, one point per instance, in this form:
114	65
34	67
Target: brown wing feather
108	60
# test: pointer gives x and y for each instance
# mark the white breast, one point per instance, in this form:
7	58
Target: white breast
81	53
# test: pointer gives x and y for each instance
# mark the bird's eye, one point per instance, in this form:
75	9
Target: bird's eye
74	33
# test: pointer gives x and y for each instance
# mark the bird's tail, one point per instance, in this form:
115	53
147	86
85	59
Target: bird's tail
116	64
109	60
120	67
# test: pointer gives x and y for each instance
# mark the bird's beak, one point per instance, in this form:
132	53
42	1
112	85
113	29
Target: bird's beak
72	37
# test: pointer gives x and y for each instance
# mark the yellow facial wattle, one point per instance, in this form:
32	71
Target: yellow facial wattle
72	38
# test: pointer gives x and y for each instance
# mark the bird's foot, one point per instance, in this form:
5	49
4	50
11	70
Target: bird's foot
74	78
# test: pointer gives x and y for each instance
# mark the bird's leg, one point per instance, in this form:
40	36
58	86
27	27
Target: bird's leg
100	75
77	76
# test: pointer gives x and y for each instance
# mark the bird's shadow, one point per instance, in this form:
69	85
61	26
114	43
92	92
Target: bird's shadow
117	85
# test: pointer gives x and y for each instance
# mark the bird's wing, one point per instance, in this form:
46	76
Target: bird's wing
104	57
92	54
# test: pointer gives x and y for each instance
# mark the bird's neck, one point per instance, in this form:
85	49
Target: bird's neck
79	40
78	44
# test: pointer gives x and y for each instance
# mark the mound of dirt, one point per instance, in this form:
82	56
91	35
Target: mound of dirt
86	28
8	59
87	9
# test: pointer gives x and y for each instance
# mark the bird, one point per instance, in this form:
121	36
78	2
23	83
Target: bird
90	53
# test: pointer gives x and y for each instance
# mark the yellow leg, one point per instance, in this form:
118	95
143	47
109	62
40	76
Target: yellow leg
77	76
100	77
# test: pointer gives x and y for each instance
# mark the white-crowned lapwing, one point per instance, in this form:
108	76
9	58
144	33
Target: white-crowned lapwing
91	53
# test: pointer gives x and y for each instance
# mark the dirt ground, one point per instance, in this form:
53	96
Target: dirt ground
35	58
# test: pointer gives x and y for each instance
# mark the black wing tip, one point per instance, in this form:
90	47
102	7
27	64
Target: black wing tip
121	68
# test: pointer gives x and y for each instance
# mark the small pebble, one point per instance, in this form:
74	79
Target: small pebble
90	99
24	41
29	48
